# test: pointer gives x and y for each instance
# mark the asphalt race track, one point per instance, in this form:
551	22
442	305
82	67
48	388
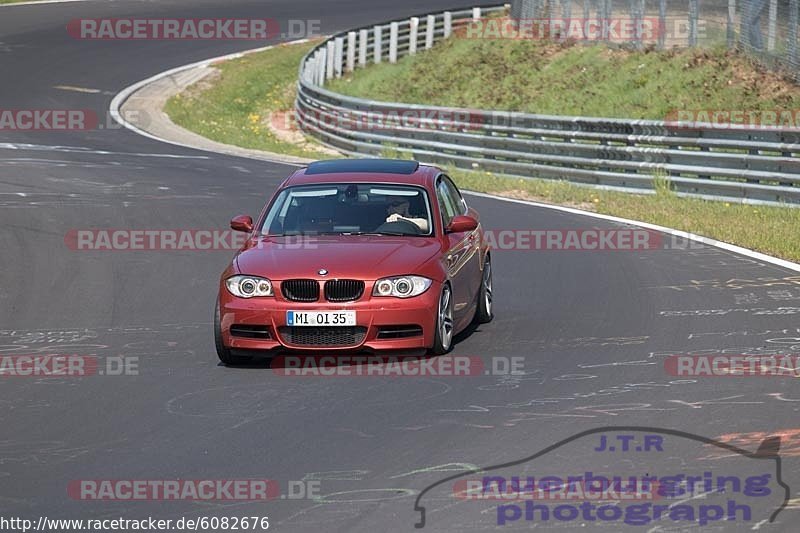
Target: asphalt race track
593	328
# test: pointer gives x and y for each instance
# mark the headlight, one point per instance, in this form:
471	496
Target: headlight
401	286
249	286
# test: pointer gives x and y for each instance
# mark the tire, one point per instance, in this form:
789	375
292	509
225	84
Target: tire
484	312
443	338
223	352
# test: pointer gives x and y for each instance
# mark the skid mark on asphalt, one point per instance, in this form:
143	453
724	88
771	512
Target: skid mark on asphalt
731	283
779	396
336	475
755	311
39	452
707	258
534	409
790	441
568	343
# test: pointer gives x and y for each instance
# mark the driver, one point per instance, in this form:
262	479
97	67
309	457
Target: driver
398	210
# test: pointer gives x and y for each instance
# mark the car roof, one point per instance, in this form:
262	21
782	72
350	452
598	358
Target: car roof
364	171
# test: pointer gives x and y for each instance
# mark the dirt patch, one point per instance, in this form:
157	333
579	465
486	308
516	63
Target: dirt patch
283	125
524	195
211	76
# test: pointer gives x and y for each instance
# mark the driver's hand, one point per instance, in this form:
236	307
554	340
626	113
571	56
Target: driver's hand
394	217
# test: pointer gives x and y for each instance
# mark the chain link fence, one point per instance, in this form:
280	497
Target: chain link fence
765	29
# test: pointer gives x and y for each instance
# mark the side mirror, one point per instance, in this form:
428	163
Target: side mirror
462	223
242	223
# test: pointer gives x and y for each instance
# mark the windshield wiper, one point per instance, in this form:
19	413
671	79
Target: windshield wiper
317	233
389	233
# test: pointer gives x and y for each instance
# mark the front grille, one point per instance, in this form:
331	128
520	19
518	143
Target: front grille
398	332
323	335
250	331
343	290
300	290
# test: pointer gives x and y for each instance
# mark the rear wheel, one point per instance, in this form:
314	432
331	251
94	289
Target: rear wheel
443	339
223	352
484	312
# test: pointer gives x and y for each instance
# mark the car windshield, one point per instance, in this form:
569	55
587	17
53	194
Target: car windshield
350	209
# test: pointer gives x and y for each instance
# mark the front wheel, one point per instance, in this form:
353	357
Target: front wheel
484	312
443	338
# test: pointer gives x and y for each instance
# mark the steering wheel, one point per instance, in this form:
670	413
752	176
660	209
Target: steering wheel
399	226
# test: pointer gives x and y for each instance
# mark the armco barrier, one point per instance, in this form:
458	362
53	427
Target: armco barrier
743	163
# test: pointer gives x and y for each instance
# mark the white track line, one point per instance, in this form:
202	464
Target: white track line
678	233
122	96
43	2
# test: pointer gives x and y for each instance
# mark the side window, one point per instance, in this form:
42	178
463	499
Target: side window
446	204
455	195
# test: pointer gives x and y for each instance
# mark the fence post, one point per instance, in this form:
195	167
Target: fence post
730	32
448	24
413	35
662	23
319	67
329	53
771	31
363	37
793	21
323	63
351	51
692	23
429	26
338	48
585	23
602	7
376	50
393	31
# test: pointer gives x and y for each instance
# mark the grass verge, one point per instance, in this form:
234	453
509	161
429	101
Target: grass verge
573	79
771	230
248	103
234	109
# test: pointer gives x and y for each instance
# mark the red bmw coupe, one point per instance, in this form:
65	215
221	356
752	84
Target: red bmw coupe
356	255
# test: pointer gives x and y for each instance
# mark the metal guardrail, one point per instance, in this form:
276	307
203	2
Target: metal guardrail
761	165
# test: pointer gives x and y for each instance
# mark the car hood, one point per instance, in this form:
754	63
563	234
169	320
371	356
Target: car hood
358	257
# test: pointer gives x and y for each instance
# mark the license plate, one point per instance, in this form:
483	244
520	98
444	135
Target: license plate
320	318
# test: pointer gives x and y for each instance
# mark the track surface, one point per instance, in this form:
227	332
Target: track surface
593	327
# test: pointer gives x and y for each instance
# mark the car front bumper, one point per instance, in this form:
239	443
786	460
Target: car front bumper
252	325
